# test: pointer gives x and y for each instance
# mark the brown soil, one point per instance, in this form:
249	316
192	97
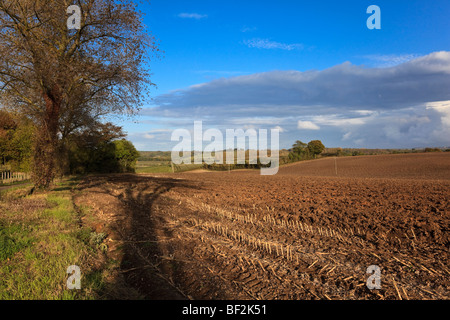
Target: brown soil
305	233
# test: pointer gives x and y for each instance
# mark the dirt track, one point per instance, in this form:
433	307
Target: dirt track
304	233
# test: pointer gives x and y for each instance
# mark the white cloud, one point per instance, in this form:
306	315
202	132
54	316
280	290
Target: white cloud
268	44
195	16
344	86
442	107
403	106
337	121
307	125
364	112
417	126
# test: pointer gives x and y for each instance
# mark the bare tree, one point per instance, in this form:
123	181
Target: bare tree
66	79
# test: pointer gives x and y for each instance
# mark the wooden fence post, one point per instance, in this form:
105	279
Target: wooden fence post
10	177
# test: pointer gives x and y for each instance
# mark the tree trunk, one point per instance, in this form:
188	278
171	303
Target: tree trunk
46	143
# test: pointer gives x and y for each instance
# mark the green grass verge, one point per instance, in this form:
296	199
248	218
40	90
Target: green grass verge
23	182
40	237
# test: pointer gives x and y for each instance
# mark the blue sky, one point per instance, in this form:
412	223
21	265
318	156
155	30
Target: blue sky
310	68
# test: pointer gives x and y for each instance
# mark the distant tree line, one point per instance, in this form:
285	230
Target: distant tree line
246	165
300	151
433	150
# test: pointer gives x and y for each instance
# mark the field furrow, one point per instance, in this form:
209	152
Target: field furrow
296	235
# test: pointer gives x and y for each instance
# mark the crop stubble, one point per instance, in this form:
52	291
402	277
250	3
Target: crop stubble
304	233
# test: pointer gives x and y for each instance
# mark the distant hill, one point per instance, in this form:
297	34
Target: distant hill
154	156
167	155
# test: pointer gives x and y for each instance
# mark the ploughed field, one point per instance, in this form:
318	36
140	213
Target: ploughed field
305	233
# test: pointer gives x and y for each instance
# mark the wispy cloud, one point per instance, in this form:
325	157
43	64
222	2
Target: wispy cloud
268	44
338	121
224	73
195	16
390	60
248	29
